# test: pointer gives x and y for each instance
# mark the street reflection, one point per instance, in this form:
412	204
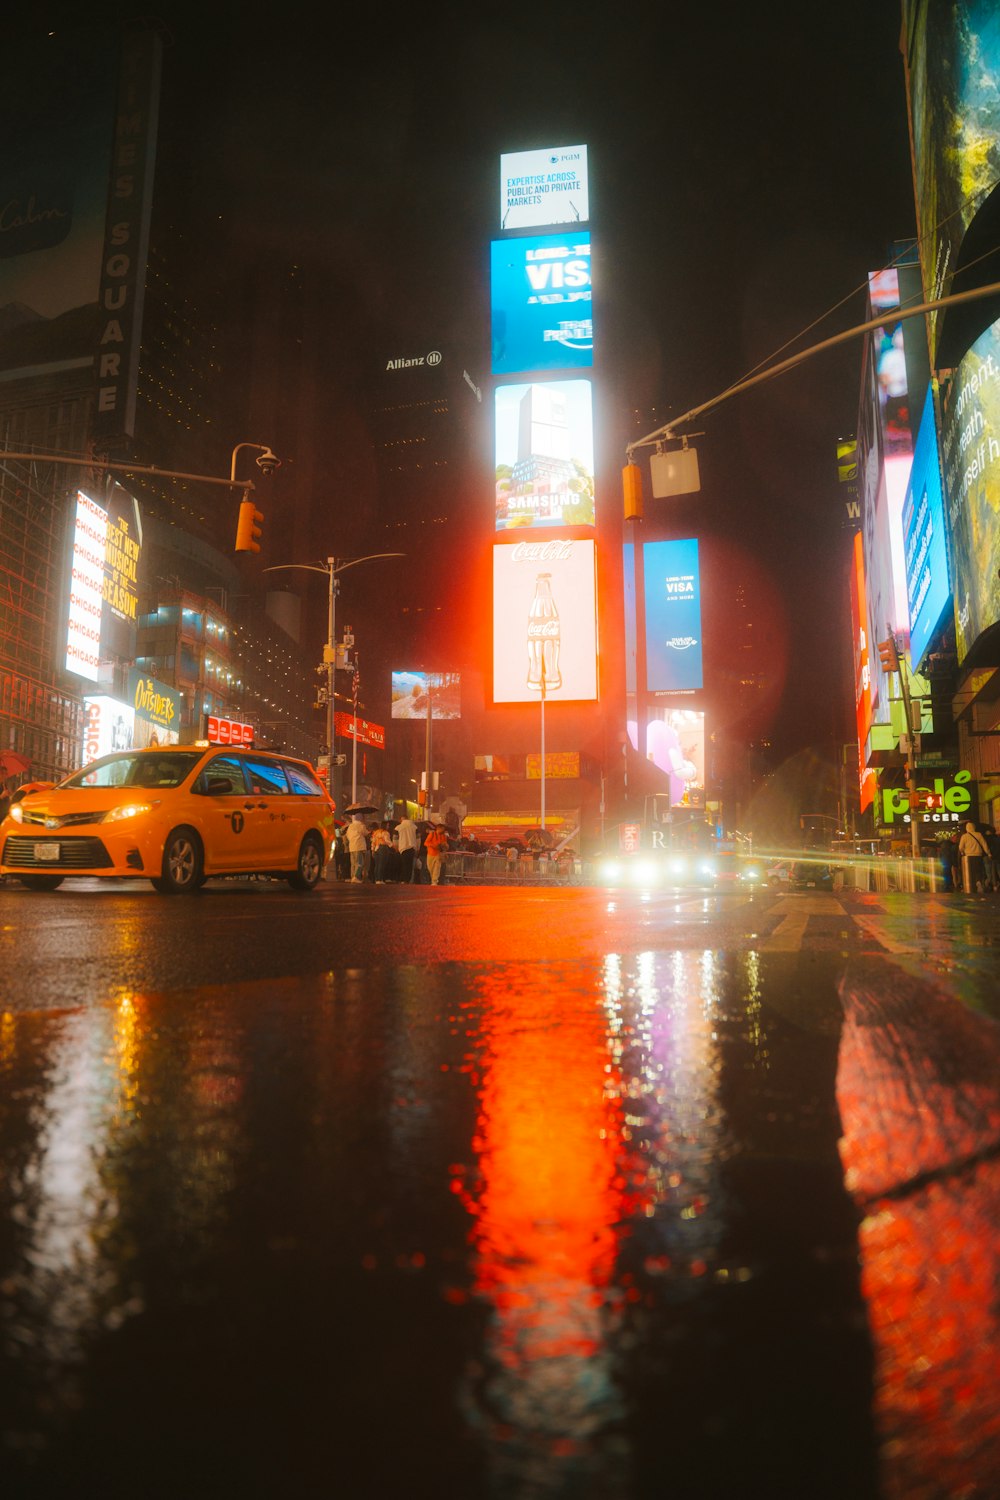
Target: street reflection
917	1086
599	1163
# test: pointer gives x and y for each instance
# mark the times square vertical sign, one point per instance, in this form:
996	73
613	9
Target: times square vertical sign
544	575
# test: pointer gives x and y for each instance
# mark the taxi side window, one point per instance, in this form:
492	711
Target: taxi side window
222	777
267	779
302	784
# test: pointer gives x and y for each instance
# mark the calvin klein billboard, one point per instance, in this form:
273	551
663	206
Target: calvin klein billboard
541	293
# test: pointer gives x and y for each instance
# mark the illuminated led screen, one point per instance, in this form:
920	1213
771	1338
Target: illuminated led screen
927	591
675	743
414	692
971	450
86	594
541	303
544	187
672	583
544	454
544	621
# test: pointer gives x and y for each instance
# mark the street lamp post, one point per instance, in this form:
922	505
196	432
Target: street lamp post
331	569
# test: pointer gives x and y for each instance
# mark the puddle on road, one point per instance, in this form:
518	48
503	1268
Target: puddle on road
567	1229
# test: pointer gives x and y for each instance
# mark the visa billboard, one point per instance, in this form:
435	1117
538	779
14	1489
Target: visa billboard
541	303
548	186
673	616
544	621
544	445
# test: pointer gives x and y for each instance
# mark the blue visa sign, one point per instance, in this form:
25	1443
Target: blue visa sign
673	616
927	590
541	303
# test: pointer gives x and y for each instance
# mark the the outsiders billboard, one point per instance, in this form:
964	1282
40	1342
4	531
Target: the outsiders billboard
953	52
927	591
544	621
541	301
673	616
544	454
414	694
544	187
157	710
103	593
971	444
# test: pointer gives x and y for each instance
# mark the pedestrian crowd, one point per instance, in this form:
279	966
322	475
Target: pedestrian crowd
971	860
384	853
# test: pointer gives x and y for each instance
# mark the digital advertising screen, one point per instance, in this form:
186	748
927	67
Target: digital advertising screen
108	725
675	743
413	693
971	456
927	589
157	709
954	61
672	583
862	670
543	187
544	621
86	591
544	444
541	303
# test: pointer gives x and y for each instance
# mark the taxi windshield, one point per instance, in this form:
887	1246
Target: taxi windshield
165	768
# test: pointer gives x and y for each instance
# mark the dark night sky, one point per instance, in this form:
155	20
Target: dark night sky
749	165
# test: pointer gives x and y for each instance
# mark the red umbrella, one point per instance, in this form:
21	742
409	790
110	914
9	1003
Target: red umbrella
12	763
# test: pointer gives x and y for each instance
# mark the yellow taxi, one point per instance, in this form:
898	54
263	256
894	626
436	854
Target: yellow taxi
178	815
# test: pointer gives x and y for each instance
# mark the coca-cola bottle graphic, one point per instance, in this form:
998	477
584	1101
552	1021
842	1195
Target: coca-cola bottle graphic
543	638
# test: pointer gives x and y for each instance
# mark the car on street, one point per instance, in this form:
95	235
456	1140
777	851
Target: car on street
177	815
810	875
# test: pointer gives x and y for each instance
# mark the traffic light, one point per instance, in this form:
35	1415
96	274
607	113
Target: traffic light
888	655
632	489
248	528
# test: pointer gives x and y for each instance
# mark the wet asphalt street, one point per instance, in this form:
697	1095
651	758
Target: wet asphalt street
513	1193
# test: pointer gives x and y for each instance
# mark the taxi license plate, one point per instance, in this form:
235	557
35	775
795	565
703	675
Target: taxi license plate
46	853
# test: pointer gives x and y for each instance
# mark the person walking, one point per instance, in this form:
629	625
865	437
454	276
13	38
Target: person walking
950	863
381	853
409	842
357	843
973	849
992	838
436	846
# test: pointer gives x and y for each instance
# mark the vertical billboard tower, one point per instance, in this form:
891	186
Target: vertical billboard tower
544	550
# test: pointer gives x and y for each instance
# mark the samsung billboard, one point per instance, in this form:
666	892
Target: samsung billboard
927	591
541	303
544	434
673	616
543	187
544	621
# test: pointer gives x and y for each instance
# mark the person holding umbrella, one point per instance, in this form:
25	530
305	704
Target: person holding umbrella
357	843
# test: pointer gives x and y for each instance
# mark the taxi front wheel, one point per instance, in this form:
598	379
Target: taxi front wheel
310	866
182	864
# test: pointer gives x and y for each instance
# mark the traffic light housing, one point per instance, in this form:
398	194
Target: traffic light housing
632	491
248	527
888	655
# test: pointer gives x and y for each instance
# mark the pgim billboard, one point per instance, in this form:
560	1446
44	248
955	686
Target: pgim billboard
547	186
544	444
540	293
544	621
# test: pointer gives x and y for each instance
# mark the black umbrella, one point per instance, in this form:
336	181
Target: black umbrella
361	807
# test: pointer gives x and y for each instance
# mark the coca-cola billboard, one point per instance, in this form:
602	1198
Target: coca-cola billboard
544	621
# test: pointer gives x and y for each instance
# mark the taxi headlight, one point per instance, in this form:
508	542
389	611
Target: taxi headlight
129	810
17	813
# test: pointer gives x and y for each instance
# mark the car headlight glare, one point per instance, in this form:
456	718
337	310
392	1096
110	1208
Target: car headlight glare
611	873
17	813
129	810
